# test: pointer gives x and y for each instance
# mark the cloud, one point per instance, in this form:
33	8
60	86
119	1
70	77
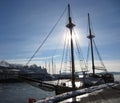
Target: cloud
34	60
113	65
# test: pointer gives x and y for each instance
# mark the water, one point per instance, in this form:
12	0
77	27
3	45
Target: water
117	77
21	92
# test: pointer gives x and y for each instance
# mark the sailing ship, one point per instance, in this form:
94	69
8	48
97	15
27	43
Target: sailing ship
87	78
95	78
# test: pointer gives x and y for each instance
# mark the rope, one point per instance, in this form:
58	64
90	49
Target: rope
101	61
62	58
46	37
99	55
79	51
88	50
67	54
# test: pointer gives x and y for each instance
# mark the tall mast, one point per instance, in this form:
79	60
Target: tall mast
70	25
49	68
52	66
91	44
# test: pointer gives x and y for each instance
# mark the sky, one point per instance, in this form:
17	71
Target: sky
25	23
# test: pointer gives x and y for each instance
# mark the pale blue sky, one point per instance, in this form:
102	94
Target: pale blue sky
24	24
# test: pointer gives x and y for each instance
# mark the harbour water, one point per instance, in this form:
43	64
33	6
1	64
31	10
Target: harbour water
21	92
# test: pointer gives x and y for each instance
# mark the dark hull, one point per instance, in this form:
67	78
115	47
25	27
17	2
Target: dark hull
11	80
59	89
62	89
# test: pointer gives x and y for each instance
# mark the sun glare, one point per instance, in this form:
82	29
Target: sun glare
76	36
79	36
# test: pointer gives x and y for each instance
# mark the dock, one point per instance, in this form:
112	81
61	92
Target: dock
108	95
105	93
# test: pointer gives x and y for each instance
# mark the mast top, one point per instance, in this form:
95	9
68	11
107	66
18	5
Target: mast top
70	25
68	1
90	36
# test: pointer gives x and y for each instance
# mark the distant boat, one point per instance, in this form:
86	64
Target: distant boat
87	80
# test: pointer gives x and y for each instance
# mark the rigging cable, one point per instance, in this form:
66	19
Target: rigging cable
79	50
67	52
99	56
88	50
46	38
62	58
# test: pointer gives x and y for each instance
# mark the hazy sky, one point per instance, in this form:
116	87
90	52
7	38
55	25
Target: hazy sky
25	23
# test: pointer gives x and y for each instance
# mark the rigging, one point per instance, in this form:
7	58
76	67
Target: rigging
46	38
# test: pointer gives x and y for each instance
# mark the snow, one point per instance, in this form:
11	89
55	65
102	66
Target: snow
75	93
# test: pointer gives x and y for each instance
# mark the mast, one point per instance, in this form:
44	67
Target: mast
91	44
49	68
70	25
52	66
